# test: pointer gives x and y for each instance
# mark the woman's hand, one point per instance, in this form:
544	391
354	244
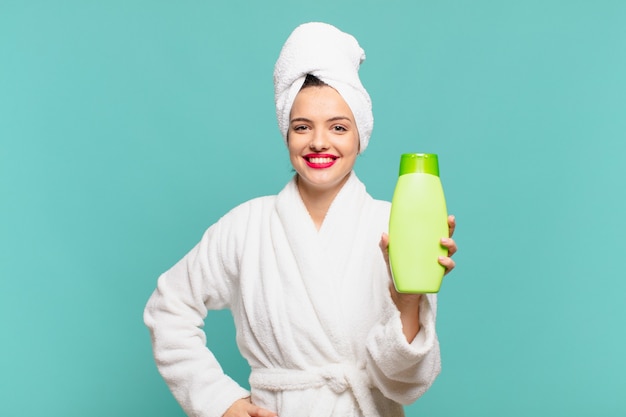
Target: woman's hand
446	242
245	408
408	304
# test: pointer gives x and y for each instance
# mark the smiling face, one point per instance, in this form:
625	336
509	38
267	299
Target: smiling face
323	139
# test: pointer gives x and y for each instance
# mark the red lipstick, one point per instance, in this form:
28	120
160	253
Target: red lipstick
320	160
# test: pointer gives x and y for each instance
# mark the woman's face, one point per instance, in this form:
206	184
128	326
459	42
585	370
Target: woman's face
323	139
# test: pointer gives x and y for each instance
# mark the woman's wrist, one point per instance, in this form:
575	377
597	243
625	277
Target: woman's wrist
408	305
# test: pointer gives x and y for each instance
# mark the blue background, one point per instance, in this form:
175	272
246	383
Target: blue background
128	127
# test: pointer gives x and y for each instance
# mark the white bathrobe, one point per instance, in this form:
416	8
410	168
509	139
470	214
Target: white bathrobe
312	309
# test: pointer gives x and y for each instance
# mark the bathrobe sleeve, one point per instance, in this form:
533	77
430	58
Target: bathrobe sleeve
174	314
403	371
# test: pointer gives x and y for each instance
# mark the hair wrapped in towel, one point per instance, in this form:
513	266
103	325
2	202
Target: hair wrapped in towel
332	56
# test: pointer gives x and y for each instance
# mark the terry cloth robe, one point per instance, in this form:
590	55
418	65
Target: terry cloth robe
312	309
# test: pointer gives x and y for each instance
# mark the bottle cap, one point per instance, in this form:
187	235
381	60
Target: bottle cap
427	163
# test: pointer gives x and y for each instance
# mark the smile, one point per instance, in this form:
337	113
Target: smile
320	161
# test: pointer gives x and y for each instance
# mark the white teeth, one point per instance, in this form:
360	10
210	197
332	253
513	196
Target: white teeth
320	160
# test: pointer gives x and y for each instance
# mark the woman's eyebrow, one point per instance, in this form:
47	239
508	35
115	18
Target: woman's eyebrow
334	119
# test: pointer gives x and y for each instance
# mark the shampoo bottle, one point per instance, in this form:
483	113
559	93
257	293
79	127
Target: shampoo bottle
417	222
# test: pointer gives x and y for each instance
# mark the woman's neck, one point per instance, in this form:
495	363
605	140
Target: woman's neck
317	201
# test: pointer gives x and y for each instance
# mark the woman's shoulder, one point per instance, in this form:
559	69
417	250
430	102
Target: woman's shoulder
239	221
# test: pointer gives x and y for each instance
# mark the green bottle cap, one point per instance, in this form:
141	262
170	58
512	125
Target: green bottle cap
427	163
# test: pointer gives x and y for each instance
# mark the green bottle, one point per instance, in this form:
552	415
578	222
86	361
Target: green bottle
417	222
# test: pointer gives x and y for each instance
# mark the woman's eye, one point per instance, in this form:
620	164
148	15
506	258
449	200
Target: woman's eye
300	128
339	128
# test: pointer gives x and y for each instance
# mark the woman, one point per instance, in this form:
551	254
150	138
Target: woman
304	272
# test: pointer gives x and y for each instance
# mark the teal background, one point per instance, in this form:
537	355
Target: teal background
128	127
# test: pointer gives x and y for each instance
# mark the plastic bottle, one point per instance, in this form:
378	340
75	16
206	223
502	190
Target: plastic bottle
417	222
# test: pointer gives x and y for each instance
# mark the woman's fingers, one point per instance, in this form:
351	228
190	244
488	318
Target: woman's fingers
245	408
261	412
449	244
447	263
451	224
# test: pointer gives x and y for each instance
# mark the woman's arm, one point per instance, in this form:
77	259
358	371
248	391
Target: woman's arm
403	356
175	315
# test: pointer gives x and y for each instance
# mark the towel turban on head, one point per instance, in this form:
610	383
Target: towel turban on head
332	56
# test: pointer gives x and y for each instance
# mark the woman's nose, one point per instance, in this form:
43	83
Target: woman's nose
319	142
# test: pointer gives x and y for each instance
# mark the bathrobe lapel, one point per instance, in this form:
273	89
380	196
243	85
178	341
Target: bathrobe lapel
323	257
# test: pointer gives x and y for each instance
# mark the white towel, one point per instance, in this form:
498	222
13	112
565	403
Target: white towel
332	56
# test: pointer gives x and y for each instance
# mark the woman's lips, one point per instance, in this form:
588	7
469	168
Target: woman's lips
319	160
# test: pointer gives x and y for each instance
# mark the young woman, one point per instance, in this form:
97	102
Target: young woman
305	272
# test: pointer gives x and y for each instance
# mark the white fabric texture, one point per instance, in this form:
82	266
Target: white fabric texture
332	56
314	317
